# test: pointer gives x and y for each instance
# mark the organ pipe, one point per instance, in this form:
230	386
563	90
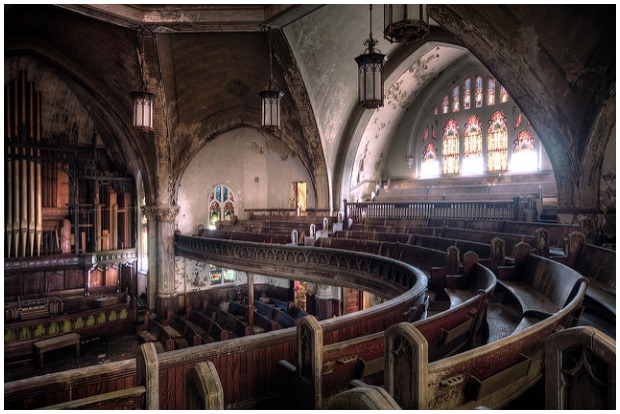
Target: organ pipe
31	170
8	176
16	169
39	180
23	218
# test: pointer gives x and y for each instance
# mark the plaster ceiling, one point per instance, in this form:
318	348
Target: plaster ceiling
323	41
539	53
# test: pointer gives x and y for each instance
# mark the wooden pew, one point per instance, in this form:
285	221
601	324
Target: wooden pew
598	265
206	327
236	327
446	333
182	333
156	333
542	288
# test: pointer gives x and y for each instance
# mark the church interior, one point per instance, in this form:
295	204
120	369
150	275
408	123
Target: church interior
405	206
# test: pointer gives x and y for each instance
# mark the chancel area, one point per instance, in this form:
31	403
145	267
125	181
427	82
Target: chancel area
309	206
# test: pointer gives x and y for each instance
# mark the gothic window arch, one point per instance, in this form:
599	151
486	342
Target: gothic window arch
472	146
430	161
497	142
222	203
524	152
450	147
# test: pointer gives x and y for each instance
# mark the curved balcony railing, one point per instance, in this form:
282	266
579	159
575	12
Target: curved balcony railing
380	275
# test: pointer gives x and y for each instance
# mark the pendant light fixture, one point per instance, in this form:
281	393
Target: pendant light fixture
270	96
405	23
142	99
370	73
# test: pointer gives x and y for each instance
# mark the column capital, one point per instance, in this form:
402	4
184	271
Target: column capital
161	212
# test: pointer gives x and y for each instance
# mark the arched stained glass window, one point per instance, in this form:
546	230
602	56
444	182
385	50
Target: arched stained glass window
445	105
456	99
221	204
497	143
524	152
503	94
478	91
467	94
450	147
430	161
491	91
472	146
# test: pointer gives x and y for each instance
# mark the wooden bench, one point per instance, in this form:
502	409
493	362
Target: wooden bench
539	288
156	333
182	334
598	265
57	342
206	327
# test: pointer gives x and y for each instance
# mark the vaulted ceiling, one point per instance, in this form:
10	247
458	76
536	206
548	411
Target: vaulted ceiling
207	64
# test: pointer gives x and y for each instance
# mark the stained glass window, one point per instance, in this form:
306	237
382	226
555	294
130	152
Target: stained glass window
456	99
503	94
430	161
215	274
472	146
491	91
478	91
467	94
497	143
221	205
524	154
445	105
450	147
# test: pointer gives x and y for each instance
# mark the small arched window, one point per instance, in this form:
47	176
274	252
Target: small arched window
221	204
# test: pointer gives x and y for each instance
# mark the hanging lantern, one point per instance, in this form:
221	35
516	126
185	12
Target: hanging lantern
405	23
143	110
270	98
370	73
270	102
143	99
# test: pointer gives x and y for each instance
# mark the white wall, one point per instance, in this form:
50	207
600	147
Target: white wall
256	166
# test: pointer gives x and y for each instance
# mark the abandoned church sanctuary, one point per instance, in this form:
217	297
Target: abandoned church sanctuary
306	206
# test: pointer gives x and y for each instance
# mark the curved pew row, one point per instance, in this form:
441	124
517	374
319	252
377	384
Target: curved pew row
490	375
598	265
247	365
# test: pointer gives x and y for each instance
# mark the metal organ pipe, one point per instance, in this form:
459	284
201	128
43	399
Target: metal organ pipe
23	178
8	176
39	180
16	170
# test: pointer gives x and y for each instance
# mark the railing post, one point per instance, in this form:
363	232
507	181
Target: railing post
310	355
346	214
147	374
203	388
406	366
518	210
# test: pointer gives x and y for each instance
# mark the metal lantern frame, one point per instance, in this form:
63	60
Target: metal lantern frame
143	100
270	96
370	77
405	23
